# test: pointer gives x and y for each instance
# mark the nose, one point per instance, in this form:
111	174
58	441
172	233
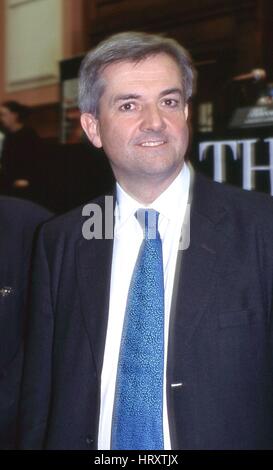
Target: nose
152	119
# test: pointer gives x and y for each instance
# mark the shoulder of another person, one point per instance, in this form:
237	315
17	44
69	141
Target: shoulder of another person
15	208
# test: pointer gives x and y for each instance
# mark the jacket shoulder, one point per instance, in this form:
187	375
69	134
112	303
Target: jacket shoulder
251	206
69	225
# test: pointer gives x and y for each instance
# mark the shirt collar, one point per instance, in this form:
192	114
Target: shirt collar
167	204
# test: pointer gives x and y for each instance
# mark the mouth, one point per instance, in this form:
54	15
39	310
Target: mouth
152	143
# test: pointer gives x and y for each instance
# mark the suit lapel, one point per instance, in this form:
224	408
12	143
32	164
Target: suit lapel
94	259
198	266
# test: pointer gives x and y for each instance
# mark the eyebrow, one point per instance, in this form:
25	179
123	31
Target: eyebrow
133	96
171	91
130	96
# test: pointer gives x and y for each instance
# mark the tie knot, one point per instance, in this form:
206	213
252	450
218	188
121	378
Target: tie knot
148	220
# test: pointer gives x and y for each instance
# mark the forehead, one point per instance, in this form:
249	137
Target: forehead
153	72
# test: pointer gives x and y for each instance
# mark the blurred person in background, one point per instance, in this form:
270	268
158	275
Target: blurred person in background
18	221
20	152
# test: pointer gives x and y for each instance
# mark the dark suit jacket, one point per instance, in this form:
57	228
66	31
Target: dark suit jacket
18	220
220	343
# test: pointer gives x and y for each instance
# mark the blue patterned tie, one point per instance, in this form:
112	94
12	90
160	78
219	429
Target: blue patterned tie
137	422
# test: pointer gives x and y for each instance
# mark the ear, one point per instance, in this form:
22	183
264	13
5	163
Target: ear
90	126
186	111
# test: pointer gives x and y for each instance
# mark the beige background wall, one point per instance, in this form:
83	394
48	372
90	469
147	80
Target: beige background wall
34	36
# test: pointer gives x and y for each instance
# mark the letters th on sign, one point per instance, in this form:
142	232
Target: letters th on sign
245	151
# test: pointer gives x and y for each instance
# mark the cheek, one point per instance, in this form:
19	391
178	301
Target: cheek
181	131
112	140
177	121
114	133
185	131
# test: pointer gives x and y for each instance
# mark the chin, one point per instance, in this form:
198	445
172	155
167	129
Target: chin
160	171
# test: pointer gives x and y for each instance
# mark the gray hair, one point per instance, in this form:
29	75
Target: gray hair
133	47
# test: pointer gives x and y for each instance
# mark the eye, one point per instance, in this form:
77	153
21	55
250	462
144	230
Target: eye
170	102
128	107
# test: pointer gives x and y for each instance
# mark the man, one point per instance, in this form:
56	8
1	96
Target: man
204	370
21	152
18	221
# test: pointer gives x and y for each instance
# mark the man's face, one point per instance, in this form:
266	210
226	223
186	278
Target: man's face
7	118
142	120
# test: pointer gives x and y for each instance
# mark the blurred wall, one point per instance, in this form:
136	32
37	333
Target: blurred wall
34	36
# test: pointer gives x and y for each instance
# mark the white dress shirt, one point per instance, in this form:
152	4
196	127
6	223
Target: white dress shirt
128	235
